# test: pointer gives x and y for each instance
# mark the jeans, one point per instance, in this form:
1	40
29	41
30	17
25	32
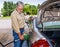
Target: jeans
19	42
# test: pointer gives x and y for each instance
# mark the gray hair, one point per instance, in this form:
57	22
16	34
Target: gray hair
19	3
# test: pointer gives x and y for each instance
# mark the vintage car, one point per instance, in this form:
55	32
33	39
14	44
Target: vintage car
46	26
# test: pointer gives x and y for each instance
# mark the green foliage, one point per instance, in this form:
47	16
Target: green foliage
8	8
30	9
38	6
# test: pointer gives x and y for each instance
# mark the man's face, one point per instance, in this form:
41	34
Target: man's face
20	8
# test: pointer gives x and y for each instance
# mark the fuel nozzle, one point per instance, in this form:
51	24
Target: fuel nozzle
26	36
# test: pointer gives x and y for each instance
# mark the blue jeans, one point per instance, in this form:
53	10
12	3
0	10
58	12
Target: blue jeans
19	42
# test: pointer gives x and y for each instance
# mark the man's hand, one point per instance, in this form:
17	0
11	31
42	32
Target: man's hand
21	36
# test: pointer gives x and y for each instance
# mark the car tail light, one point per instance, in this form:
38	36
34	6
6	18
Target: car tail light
41	43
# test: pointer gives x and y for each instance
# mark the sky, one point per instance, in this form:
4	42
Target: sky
32	2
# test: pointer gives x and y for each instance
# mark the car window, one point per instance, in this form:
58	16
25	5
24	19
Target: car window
51	19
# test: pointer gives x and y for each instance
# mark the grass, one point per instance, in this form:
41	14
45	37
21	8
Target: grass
3	18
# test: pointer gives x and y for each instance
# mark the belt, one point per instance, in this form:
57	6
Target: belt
21	28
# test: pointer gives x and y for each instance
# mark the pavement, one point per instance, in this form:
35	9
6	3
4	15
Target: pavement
4	24
6	34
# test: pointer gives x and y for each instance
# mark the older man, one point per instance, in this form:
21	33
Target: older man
18	23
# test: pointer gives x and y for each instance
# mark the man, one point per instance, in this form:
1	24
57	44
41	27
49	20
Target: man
18	23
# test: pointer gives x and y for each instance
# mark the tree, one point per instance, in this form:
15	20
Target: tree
27	8
33	9
38	6
30	9
8	7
